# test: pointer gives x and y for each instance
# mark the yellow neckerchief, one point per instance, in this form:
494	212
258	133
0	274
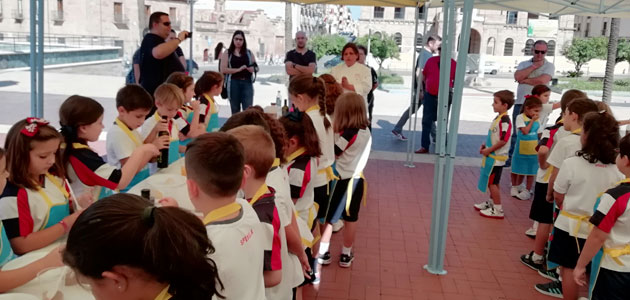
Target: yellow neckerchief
158	119
525	117
295	154
127	131
276	163
164	294
221	212
560	121
312	108
616	252
47	199
259	193
80	146
577	131
213	105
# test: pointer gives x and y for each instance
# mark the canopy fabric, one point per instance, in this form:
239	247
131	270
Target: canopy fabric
608	8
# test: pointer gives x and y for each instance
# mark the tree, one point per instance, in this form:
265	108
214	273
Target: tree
381	48
623	51
611	60
582	51
326	45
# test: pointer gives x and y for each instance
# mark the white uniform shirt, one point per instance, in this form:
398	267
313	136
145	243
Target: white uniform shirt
547	109
582	182
359	75
120	146
564	148
352	148
238	254
613	217
326	143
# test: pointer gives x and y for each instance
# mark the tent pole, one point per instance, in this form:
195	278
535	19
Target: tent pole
413	104
192	24
33	56
40	59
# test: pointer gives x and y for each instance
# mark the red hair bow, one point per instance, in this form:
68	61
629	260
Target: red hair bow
529	96
32	126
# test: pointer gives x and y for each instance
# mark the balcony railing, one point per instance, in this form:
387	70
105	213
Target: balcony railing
57	16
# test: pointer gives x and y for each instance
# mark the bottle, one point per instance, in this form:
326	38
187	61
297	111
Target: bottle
285	108
278	99
162	160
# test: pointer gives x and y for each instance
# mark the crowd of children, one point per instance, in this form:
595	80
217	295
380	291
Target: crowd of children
580	196
268	188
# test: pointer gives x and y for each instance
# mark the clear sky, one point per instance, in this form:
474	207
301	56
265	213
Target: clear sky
272	9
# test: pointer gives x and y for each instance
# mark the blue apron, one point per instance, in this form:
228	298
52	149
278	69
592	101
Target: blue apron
212	115
140	176
487	163
56	212
6	253
525	157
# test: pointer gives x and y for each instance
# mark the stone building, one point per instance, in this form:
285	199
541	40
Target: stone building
586	26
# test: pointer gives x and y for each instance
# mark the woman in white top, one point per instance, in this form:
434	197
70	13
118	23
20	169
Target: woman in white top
352	75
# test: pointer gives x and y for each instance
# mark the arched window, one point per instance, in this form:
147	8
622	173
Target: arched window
509	47
529	46
551	48
398	38
490	46
378	35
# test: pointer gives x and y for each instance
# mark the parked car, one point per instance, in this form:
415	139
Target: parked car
490	67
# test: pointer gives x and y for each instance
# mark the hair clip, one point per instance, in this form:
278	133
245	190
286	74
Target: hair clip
148	215
295	115
603	111
32	126
529	96
67	130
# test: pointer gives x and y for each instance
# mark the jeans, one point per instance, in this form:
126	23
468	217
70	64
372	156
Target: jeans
516	110
241	94
429	116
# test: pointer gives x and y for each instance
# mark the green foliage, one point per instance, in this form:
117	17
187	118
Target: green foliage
390	79
624	83
381	48
593	84
326	44
582	51
623	51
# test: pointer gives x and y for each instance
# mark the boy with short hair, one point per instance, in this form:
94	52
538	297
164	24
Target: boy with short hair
215	170
495	152
168	100
259	156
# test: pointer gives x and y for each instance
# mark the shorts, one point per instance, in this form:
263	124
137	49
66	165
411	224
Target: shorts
563	249
338	201
611	285
322	198
541	210
495	175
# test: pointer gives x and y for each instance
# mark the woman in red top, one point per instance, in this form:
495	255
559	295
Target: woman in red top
431	75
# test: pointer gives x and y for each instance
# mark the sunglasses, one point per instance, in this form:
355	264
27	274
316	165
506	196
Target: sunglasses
166	23
540	51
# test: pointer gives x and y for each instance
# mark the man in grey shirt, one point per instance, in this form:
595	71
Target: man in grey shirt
433	43
528	74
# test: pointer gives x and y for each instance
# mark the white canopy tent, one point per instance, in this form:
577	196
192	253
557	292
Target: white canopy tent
445	154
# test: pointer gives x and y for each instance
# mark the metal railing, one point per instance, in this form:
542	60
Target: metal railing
20	41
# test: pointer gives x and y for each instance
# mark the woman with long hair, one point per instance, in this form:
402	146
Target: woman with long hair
353	76
238	63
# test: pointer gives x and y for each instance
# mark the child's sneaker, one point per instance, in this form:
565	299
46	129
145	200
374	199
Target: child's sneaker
399	135
324	259
549	274
523	195
491	212
337	226
346	260
483	205
553	289
527	260
515	190
531	232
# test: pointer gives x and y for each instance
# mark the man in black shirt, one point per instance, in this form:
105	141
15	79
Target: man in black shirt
157	56
300	60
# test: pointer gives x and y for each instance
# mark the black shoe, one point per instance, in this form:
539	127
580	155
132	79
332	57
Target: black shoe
325	259
549	274
345	261
527	260
553	289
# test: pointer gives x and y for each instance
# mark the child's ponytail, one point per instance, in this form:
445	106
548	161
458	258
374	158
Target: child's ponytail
313	87
75	112
299	124
168	243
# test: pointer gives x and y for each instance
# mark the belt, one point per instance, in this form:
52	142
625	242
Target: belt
615	253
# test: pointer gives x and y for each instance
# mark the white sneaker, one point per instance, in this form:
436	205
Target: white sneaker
483	205
514	191
337	226
531	232
524	195
492	213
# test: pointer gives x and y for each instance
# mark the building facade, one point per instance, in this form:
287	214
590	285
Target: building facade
506	36
586	26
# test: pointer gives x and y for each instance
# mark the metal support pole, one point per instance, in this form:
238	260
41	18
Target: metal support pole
40	59
445	164
414	94
190	53
33	56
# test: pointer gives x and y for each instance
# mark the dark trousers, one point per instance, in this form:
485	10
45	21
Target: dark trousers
429	116
241	94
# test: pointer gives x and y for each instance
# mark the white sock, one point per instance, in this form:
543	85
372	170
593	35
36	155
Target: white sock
536	257
498	207
323	248
346	251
